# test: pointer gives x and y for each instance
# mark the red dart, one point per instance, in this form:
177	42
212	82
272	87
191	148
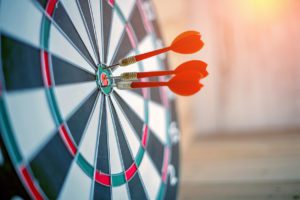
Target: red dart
197	66
185	84
186	43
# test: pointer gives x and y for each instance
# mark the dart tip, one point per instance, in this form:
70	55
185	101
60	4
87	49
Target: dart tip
111	66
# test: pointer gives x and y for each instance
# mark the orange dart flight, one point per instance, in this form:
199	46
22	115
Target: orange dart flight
185	86
185	83
197	66
187	42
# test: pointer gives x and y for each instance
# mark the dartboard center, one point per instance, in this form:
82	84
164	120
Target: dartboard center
103	80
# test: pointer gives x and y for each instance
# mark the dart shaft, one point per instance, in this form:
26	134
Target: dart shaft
154	73
151	53
133	59
131	76
148	84
125	85
126	76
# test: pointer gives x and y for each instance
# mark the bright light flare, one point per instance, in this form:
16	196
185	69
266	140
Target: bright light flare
263	9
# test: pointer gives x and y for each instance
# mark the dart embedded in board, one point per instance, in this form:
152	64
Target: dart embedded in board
185	43
196	66
185	79
186	83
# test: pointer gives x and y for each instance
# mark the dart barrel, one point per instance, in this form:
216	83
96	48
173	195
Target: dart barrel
124	85
129	76
127	61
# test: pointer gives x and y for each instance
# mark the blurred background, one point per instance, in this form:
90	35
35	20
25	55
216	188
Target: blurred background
241	133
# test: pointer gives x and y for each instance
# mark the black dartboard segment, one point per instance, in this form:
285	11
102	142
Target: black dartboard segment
62	19
24	72
63	134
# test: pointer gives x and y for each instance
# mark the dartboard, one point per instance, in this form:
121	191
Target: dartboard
66	131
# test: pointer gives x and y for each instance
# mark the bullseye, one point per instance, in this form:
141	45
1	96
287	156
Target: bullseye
103	80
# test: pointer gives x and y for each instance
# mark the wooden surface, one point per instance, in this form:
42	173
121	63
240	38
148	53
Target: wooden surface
257	166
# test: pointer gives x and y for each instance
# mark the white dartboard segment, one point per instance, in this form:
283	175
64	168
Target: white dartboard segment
71	96
135	102
116	32
73	11
157	113
130	134
21	20
150	177
88	145
120	193
95	9
151	64
157	121
114	152
31	118
126	7
66	50
77	185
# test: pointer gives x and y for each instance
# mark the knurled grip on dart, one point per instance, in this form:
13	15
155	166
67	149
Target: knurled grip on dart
124	85
127	61
134	76
133	59
129	76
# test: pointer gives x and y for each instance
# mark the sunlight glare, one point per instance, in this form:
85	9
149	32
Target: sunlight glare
263	9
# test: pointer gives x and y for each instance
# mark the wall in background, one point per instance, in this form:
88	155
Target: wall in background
253	52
